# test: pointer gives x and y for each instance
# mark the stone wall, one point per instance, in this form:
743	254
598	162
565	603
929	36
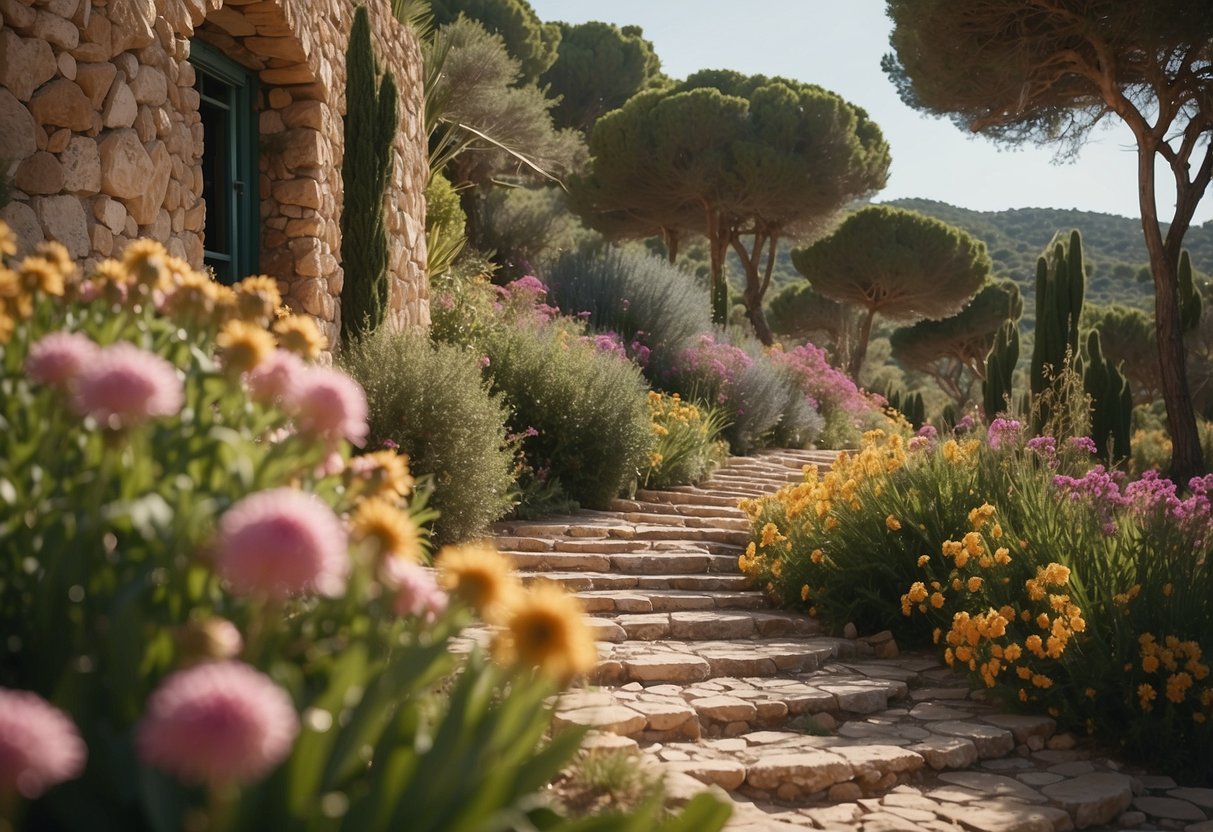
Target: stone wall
101	139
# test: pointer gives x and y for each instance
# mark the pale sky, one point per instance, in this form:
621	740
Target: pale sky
838	45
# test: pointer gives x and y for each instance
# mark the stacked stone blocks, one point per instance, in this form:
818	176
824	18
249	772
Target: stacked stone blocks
101	140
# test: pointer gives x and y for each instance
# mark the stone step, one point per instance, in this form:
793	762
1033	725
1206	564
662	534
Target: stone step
583	581
647	563
737	522
686	495
681	662
730	706
642	601
541	537
709	625
676	509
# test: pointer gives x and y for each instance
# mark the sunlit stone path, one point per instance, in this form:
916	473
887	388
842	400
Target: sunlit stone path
802	730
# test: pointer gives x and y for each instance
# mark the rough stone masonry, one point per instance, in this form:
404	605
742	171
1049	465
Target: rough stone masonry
101	140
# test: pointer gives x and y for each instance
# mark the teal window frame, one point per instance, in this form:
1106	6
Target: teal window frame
240	184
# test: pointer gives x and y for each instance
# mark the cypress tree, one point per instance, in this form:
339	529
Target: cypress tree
996	389
372	114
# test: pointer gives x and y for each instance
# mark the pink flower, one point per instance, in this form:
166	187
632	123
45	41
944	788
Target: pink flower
273	379
417	593
125	386
39	745
219	722
59	357
282	542
329	404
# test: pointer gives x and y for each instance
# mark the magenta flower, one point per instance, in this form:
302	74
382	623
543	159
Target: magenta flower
217	723
39	745
417	594
1004	433
329	404
59	357
1083	443
273	380
280	543
124	386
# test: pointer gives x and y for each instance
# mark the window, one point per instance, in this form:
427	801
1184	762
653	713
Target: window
231	240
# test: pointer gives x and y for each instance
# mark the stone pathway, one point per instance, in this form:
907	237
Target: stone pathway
801	730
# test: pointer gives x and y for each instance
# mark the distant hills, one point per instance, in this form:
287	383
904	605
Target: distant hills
1113	247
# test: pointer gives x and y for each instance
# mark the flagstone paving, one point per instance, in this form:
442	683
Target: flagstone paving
801	730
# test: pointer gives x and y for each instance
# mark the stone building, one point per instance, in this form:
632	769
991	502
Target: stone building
214	126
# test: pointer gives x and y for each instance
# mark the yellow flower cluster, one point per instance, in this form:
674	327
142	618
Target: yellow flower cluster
1180	663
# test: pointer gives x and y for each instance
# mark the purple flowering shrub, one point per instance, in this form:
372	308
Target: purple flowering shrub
760	400
846	409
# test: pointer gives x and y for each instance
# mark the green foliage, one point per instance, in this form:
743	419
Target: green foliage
642	298
895	263
968	543
109	583
997	392
431	400
909	405
525	229
953	350
598	68
581	414
529	41
1111	402
726	156
1060	281
444	226
800	312
371	119
1129	342
482	123
1190	302
687	445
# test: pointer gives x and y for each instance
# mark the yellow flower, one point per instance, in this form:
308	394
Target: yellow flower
974	584
817	556
937	600
892	523
918	592
1146	694
1012	652
480	576
1041	681
996	531
1024	673
1042	621
1035	646
804	593
962	557
545	628
301	335
146	262
384	472
1177	687
973	544
243	346
1001	556
656	459
923	560
257	299
391	530
770	534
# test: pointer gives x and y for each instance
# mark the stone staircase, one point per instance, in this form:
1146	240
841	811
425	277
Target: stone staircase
800	729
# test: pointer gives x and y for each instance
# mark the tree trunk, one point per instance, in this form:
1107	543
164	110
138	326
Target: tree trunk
754	284
1187	461
860	350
